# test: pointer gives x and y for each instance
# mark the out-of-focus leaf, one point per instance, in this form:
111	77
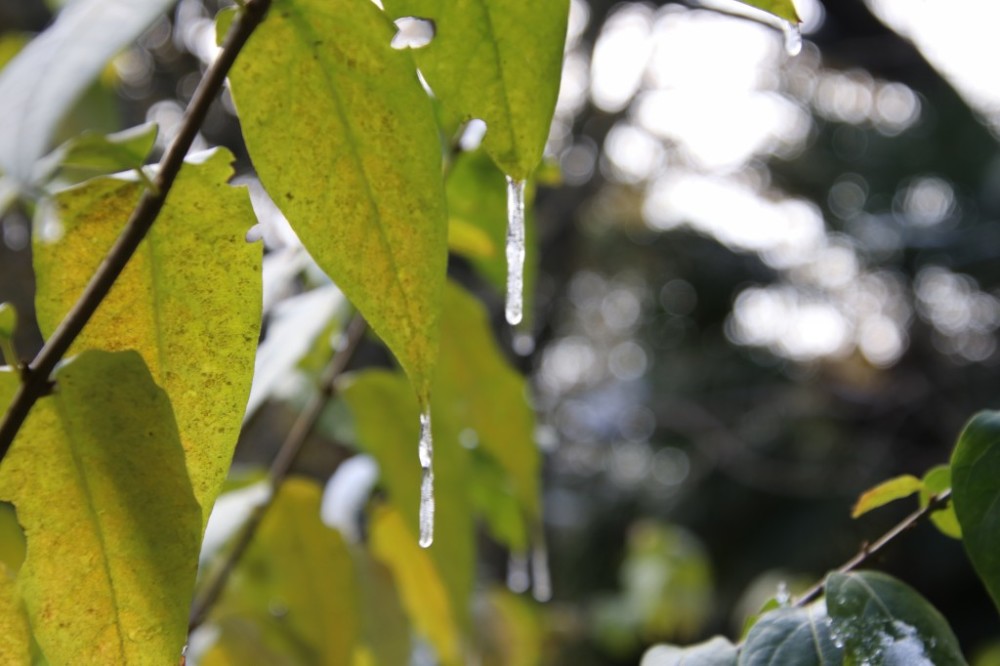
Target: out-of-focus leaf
516	630
886	492
93	153
975	468
715	652
8	322
800	636
15	636
301	571
371	395
188	301
12	545
937	480
477	196
490	493
497	60
111	522
241	643
40	84
469	240
385	627
419	581
358	174
781	8
879	620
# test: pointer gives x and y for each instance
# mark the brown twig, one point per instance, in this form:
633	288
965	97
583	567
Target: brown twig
282	464
937	502
36	378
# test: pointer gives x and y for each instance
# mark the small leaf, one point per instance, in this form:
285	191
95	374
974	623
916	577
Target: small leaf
189	300
800	636
112	525
499	61
42	82
419	581
8	321
879	620
715	652
937	480
93	153
886	492
975	468
781	8
358	173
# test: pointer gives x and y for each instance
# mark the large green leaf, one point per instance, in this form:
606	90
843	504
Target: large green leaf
781	8
800	636
189	300
300	570
497	60
714	652
97	475
344	139
881	621
975	471
46	78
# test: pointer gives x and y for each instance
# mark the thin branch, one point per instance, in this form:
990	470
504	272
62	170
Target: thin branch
282	464
937	502
36	381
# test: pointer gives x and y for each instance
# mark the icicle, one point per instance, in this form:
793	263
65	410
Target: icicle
427	481
515	250
793	37
518	577
541	582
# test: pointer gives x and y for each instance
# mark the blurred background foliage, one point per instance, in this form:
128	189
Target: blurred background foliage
764	283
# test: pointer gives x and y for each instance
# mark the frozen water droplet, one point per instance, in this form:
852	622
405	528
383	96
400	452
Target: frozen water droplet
412	33
426	452
541	582
515	250
518	577
255	233
793	37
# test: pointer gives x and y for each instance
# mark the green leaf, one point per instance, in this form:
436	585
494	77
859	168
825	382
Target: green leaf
43	81
975	469
15	636
937	480
881	621
517	630
348	149
781	8
112	525
497	60
189	300
421	587
8	321
714	652
477	198
93	153
303	569
371	395
385	626
886	492
800	636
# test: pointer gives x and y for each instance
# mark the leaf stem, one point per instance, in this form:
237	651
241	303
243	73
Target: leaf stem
280	467
36	382
936	502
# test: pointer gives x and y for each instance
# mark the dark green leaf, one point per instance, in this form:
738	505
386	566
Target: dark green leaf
497	60
44	79
358	170
715	652
881	621
800	636
975	471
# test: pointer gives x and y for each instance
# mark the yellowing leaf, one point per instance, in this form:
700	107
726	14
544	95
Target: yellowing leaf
420	585
15	637
344	139
781	8
885	492
301	566
516	631
189	300
97	475
497	60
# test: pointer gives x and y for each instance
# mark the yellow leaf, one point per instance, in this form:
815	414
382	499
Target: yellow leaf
15	637
189	300
885	492
97	476
469	240
344	139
